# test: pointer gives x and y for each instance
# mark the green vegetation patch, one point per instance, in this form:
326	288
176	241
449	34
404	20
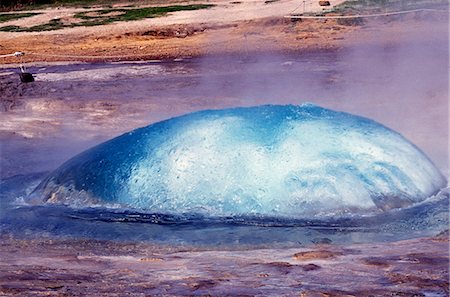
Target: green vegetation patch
52	25
10	29
107	16
8	5
4	17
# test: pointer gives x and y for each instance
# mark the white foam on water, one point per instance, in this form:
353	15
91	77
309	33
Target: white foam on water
290	161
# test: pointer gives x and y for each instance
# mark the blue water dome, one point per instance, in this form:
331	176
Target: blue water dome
283	161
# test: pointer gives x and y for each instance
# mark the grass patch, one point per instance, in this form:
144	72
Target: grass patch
10	29
54	24
107	16
4	17
8	5
103	16
41	4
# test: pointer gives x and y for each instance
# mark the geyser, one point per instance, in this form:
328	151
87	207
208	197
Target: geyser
287	161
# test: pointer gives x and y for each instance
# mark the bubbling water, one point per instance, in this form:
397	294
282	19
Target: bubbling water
283	161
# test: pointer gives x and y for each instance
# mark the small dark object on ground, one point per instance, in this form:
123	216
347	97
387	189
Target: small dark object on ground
26	77
324	3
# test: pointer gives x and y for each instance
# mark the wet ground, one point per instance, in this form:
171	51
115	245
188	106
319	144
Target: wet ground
56	267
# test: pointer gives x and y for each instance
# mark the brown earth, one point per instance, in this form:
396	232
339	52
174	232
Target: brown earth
180	41
224	29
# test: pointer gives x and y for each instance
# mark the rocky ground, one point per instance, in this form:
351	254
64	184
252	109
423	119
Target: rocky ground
58	267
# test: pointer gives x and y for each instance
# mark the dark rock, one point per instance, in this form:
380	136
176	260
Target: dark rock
376	261
310	267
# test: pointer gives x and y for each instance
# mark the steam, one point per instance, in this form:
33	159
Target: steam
397	75
393	72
